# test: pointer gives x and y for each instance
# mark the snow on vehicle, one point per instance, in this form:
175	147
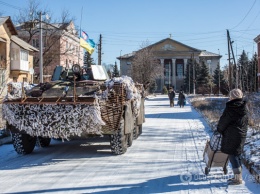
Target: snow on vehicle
78	102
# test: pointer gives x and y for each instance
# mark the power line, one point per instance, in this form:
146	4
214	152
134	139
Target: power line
245	16
250	24
10	5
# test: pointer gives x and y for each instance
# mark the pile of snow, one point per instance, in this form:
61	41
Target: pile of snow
252	149
16	89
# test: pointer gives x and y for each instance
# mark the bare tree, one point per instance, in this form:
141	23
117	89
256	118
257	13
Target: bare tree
145	66
55	34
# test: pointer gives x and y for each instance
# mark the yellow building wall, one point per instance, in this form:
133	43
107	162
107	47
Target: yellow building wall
5	52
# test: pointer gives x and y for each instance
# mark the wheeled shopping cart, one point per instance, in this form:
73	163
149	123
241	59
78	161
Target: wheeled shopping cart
212	155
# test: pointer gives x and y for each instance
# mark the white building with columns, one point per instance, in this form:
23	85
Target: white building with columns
173	56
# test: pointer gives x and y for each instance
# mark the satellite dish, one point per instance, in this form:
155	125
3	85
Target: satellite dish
47	17
31	70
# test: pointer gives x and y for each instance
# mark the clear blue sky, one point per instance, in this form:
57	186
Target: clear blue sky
126	24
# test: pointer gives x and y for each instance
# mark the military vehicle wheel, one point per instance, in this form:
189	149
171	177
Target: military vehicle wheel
43	141
130	138
23	143
225	170
207	170
140	127
118	140
136	132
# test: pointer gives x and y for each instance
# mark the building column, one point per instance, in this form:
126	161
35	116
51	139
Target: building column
162	77
174	73
185	65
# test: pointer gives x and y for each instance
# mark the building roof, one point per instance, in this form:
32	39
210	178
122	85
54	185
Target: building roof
9	24
126	56
23	44
175	42
208	54
203	53
257	39
2	40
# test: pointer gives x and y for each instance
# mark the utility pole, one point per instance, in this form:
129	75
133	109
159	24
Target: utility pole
193	66
218	75
99	50
234	62
189	77
229	64
40	53
218	78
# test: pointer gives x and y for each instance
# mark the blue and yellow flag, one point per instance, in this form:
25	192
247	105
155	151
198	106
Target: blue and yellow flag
91	42
87	43
86	46
84	35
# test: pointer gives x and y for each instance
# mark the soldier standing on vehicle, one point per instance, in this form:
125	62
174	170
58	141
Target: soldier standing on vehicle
171	95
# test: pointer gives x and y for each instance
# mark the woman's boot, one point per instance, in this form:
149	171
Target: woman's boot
237	180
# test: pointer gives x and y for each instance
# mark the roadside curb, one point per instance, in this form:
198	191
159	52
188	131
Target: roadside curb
5	140
251	168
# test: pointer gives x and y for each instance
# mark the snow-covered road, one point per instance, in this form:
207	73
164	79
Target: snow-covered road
166	158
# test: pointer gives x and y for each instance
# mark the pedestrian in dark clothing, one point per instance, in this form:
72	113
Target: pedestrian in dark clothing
171	95
233	125
181	99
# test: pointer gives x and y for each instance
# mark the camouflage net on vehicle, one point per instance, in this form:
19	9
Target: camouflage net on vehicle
57	121
17	89
132	92
60	120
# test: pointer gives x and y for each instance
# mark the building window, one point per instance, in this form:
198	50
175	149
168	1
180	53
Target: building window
14	79
14	54
44	42
128	72
35	43
168	67
2	77
179	67
24	55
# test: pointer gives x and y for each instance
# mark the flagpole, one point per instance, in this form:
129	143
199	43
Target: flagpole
80	33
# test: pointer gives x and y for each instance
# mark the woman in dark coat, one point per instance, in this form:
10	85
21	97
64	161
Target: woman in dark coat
181	99
233	125
171	95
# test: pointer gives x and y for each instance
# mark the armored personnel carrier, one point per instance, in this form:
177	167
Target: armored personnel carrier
78	102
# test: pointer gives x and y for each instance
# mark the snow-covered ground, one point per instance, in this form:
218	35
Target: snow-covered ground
166	158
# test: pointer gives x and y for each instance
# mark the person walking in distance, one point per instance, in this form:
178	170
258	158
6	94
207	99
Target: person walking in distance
171	95
233	125
181	99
